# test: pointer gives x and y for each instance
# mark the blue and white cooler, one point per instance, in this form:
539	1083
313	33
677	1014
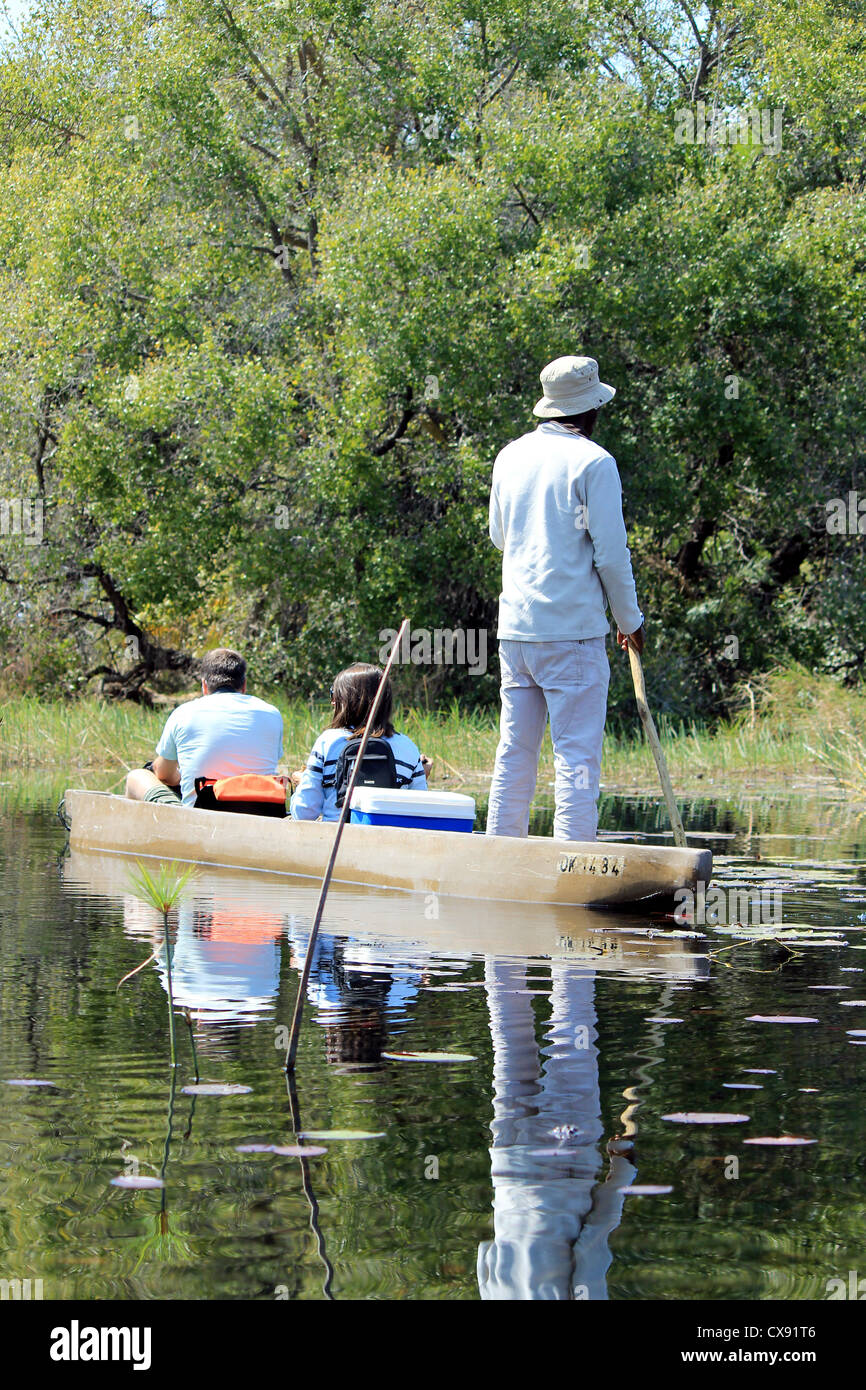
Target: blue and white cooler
414	810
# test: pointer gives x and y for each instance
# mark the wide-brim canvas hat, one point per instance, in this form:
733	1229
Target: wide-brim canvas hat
571	386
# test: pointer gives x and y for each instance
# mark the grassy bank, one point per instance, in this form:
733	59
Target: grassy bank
801	726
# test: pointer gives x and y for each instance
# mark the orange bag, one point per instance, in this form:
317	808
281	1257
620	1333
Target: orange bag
249	786
256	793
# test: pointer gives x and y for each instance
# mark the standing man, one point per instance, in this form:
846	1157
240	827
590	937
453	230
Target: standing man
223	734
556	515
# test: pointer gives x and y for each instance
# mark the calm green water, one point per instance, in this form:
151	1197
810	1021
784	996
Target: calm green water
497	1177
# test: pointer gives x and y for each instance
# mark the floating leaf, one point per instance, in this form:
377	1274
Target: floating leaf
144	1184
285	1150
711	1117
216	1088
299	1150
342	1134
646	1189
780	1018
780	1140
429	1056
562	1152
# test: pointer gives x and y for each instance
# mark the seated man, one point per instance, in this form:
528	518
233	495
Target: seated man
225	733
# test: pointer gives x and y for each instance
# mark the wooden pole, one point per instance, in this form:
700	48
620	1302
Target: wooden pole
643	710
326	881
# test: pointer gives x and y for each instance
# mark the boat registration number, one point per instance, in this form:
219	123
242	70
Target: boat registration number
591	864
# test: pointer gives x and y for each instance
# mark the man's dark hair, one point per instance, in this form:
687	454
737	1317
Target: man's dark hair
223	669
581	424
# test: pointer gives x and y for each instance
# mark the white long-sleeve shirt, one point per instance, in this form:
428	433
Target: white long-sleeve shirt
556	514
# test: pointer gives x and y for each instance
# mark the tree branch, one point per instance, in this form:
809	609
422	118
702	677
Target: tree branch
386	445
659	52
509	77
106	623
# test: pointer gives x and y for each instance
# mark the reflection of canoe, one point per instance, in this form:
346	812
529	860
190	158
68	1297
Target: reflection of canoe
450	864
400	927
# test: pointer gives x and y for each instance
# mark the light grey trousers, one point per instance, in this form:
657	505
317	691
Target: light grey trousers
568	681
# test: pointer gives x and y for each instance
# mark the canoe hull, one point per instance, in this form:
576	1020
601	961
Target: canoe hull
533	870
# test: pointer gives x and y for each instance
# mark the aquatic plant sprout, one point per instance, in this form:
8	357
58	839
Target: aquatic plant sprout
160	887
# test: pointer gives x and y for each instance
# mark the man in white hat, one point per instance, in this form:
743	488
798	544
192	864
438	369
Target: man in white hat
556	515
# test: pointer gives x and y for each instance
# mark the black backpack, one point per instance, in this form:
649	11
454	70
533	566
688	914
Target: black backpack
378	767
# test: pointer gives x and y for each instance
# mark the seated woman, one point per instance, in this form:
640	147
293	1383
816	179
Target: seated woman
322	784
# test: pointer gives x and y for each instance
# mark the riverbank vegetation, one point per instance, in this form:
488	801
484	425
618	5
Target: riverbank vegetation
798	725
293	273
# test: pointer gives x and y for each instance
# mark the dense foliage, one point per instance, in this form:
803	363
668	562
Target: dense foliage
277	280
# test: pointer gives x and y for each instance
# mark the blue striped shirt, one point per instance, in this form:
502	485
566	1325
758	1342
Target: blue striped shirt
316	795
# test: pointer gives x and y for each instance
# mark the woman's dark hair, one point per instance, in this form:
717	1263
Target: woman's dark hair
581	424
354	691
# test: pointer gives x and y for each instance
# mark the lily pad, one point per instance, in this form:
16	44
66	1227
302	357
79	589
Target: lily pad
429	1056
780	1018
285	1150
142	1184
780	1140
342	1134
216	1088
646	1189
708	1117
564	1151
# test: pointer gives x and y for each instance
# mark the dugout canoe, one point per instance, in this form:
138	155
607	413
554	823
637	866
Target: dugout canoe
535	870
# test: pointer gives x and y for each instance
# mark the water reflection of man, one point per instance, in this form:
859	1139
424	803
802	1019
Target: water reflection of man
225	965
551	1215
